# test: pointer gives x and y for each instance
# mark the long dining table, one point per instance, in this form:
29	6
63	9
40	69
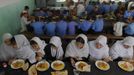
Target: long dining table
114	70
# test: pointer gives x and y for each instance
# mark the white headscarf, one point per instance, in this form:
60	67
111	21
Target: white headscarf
118	50
24	50
73	51
56	41
130	4
21	41
42	44
99	53
129	41
6	52
7	36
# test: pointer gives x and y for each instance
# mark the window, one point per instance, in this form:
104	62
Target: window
7	2
118	0
60	0
104	0
65	0
75	0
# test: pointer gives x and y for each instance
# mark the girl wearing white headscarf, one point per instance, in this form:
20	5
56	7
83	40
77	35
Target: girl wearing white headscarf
38	46
23	49
98	48
6	51
78	49
123	49
54	49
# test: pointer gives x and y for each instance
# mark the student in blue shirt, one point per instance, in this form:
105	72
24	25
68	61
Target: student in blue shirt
129	30
65	12
39	12
38	27
98	24
128	13
101	8
50	26
71	26
114	7
95	11
106	8
85	25
61	27
89	8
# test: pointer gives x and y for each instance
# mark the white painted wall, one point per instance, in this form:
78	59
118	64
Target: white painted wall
7	2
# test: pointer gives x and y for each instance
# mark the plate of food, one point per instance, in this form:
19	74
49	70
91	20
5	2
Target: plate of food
17	64
126	66
82	66
58	65
32	70
102	65
42	66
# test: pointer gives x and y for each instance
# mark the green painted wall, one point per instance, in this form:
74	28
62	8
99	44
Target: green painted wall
10	16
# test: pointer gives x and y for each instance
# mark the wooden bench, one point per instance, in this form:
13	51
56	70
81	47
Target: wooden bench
70	37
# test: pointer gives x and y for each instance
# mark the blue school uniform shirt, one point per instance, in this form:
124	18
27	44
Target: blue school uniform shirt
106	8
114	7
89	8
85	25
127	14
97	25
40	13
50	28
133	13
38	28
129	30
71	27
61	28
101	8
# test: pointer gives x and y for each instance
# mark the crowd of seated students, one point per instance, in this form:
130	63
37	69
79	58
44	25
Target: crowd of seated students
79	49
57	23
90	19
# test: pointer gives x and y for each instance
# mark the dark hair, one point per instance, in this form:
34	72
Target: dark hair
61	17
52	45
69	18
22	14
32	42
88	18
36	18
81	40
26	7
131	8
49	19
62	5
13	41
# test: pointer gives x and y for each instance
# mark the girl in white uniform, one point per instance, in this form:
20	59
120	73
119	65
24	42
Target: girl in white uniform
38	46
23	49
78	49
6	51
54	49
123	49
98	49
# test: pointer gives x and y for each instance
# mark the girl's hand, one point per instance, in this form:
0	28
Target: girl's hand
4	65
10	61
126	59
78	58
39	54
108	59
72	62
38	58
